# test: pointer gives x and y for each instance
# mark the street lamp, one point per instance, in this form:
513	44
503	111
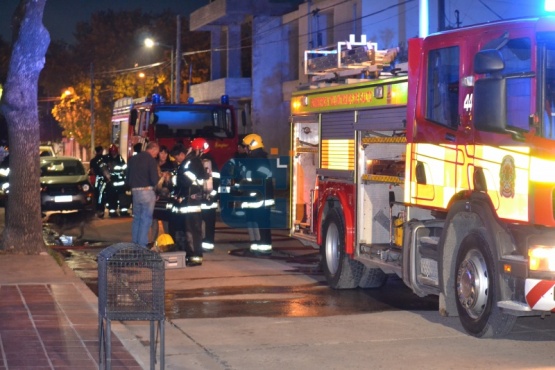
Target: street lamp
142	76
150	43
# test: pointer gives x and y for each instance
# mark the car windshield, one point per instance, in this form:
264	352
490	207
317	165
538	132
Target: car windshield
61	168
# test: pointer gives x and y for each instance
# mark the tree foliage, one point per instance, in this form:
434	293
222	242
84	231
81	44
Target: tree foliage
113	43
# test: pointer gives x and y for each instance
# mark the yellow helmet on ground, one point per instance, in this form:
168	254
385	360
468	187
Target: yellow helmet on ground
164	242
253	141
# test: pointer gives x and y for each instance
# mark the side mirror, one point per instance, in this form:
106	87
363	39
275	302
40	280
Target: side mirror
490	104
488	61
133	117
243	118
153	119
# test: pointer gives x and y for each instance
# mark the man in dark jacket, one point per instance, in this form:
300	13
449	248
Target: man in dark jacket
142	177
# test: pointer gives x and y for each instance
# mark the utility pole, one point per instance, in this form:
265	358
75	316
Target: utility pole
178	61
92	110
441	15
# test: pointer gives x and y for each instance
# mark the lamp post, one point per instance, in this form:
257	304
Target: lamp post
92	111
142	76
150	43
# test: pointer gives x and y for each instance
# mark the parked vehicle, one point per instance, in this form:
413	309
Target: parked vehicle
65	185
47	151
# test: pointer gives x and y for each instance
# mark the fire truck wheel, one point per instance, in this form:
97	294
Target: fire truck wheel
341	271
476	289
372	278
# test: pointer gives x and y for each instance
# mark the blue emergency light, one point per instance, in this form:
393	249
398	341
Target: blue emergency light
549	5
224	99
191	100
156	98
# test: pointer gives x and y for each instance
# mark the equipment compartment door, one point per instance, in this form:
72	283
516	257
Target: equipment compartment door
305	145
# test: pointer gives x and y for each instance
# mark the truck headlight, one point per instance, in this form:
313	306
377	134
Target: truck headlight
541	258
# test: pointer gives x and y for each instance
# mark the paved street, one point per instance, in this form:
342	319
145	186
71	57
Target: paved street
240	312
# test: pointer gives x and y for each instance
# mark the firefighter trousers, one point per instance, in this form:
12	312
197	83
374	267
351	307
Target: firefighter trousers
209	219
186	230
258	224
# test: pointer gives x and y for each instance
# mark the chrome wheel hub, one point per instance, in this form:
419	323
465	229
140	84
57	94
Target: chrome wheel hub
472	284
332	248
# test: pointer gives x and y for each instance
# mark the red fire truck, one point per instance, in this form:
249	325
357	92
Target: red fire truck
142	120
443	174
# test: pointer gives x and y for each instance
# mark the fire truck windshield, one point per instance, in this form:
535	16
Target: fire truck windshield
205	122
549	91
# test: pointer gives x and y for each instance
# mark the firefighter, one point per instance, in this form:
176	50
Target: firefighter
257	183
186	210
117	196
99	173
209	203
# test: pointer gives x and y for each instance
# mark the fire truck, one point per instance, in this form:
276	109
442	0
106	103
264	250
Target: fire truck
140	120
441	172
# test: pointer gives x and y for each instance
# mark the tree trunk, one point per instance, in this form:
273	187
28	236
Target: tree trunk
23	229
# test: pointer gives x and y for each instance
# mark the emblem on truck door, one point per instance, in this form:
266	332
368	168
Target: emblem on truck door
507	175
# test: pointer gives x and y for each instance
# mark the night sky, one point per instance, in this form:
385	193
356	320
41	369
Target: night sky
60	16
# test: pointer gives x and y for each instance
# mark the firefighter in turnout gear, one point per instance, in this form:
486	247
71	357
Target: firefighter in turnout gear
209	203
257	184
99	170
187	199
117	196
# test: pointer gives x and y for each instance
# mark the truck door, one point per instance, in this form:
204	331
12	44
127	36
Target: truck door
440	124
501	159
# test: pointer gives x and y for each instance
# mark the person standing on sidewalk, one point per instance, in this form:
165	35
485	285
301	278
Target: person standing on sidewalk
142	177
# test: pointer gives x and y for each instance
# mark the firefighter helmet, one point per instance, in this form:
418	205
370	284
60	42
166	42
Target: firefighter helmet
113	150
164	242
253	141
200	144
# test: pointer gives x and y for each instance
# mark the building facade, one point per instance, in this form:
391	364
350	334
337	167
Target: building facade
258	46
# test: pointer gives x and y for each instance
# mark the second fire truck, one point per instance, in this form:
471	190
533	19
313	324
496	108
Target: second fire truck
137	121
442	173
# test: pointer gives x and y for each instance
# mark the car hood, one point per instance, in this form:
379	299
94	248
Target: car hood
74	179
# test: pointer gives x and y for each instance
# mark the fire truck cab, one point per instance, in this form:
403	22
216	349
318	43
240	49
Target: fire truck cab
137	121
441	172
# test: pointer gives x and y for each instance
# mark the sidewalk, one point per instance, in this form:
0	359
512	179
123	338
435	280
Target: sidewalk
48	318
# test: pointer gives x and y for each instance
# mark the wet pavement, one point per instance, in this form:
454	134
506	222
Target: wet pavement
310	300
290	301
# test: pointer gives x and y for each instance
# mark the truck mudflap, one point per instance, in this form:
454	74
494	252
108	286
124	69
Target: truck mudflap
540	294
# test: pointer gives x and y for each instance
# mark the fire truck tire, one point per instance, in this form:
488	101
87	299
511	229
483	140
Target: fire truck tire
341	271
476	290
372	278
